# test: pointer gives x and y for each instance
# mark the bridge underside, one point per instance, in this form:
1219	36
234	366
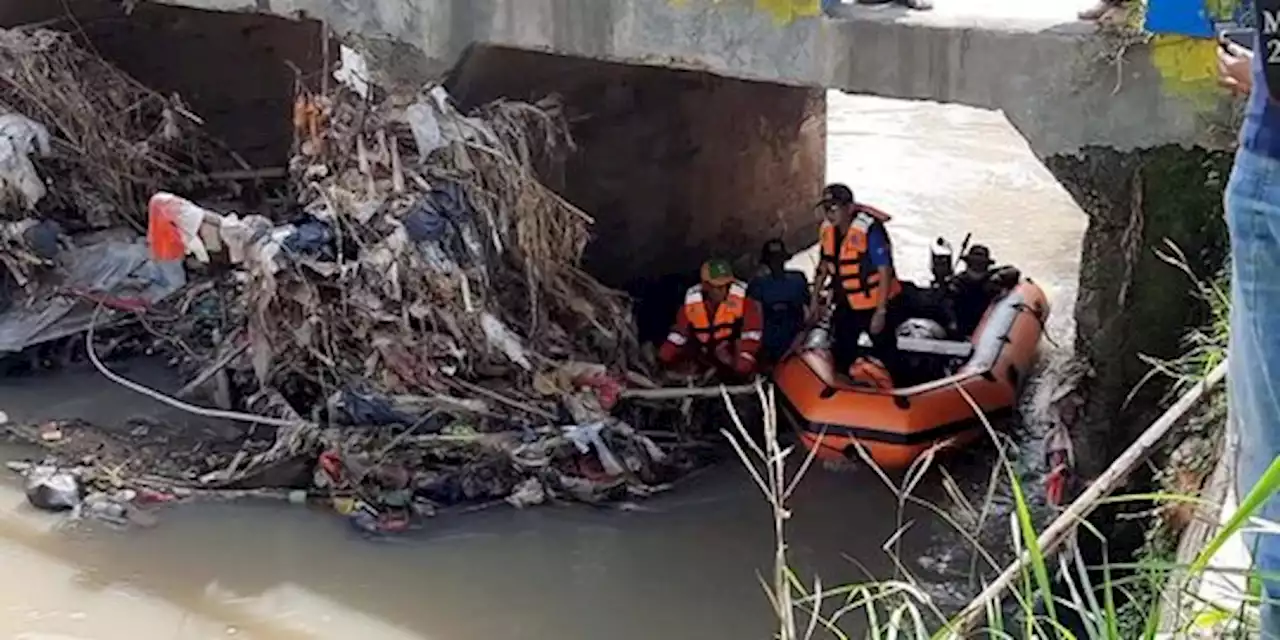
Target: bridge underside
674	165
701	125
1061	84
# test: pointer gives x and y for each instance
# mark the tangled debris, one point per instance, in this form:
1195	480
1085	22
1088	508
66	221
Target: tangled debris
104	141
421	335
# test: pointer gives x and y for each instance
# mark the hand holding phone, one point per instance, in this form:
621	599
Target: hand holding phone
1242	37
1235	57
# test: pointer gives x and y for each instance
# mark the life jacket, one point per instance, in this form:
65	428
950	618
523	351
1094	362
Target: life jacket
729	314
855	275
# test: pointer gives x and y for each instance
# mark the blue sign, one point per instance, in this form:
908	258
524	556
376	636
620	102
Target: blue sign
1192	17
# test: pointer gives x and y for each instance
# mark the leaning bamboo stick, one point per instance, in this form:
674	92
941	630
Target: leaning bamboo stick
680	393
1068	520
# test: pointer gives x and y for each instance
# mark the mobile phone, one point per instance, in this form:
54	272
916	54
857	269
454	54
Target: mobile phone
1243	37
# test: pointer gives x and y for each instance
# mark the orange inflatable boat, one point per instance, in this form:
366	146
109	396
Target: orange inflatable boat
897	425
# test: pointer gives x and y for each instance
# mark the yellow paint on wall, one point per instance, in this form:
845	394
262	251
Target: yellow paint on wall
783	11
1188	66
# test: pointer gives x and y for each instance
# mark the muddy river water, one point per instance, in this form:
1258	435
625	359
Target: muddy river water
681	566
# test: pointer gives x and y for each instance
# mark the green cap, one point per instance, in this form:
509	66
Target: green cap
717	272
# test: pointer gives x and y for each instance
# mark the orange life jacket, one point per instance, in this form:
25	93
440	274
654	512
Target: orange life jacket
855	275
729	314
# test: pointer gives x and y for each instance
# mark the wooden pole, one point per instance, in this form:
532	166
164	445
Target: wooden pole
1068	520
680	393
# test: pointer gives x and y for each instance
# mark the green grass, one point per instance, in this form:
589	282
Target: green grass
1115	600
900	608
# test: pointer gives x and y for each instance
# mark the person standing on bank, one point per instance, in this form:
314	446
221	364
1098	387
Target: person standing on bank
857	261
1252	207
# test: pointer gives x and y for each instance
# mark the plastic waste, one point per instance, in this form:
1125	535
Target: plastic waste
426	129
527	494
173	228
103	506
353	71
310	237
586	437
369	409
20	138
52	488
505	340
119	273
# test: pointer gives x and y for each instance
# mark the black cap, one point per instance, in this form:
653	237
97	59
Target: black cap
978	254
836	194
773	248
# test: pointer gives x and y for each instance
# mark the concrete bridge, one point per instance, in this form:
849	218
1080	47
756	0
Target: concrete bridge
1060	83
702	125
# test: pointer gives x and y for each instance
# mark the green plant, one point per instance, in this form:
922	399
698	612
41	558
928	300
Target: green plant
899	608
1203	347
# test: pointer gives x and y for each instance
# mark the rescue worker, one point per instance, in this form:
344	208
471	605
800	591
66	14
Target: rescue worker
967	294
783	295
857	260
719	328
971	292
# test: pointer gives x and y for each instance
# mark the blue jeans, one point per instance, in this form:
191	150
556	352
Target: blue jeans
1252	204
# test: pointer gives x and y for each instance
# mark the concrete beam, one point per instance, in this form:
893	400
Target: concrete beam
1057	81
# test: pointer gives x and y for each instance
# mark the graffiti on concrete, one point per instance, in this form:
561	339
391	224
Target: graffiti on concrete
1183	48
782	11
1187	65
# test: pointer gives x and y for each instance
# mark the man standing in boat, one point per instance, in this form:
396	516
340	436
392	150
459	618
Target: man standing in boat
718	328
857	262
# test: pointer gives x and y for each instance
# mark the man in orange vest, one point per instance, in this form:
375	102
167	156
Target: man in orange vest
857	260
718	327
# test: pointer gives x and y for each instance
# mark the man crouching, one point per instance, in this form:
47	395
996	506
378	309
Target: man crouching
718	329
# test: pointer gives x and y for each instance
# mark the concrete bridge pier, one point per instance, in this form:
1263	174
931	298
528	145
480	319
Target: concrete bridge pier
1131	302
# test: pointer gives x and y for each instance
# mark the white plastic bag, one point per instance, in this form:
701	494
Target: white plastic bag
20	137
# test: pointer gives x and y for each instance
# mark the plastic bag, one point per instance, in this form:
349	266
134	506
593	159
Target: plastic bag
20	137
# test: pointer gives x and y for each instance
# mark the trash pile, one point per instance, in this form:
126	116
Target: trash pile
421	271
433	283
419	334
103	141
82	148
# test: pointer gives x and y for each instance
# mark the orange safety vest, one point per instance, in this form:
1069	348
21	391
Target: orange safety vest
729	314
857	278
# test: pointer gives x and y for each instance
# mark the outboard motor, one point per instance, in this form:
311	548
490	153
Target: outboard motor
922	328
942	262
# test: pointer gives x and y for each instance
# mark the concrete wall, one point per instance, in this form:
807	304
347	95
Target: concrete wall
233	69
1061	85
1131	303
676	166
